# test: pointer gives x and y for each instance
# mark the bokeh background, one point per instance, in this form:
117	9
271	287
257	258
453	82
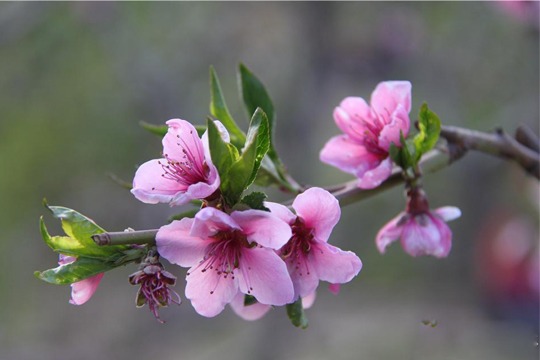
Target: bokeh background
77	78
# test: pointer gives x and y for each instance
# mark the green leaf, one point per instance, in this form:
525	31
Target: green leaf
408	152
296	314
71	246
244	170
76	225
81	269
223	154
395	154
218	109
429	126
255	200
255	96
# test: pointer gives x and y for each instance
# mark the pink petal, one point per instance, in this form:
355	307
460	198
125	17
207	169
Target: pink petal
263	227
264	275
208	291
448	213
333	264
334	288
309	300
281	211
200	190
304	277
251	312
347	155
82	291
176	244
149	186
389	94
182	137
209	221
389	233
350	116
375	176
399	123
320	211
428	235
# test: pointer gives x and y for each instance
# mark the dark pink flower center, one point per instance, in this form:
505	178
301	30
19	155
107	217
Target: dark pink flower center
299	246
188	170
223	256
370	133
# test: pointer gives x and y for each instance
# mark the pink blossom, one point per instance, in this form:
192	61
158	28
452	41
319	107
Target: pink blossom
257	310
81	291
228	255
421	233
184	173
308	255
368	132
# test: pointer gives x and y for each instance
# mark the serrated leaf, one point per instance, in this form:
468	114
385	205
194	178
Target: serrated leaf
244	170
218	109
429	126
71	246
255	200
395	154
296	314
76	225
408	152
223	154
255	96
81	269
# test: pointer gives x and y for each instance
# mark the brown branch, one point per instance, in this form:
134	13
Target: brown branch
498	144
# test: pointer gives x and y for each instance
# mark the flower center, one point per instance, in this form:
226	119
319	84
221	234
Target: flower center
299	246
188	170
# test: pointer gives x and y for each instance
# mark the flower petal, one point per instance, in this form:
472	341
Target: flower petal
389	94
305	279
426	235
448	213
389	233
263	227
308	300
209	221
320	211
251	312
333	264
208	291
182	140
82	291
151	187
200	190
375	176
264	275
399	123
176	244
281	211
347	155
350	116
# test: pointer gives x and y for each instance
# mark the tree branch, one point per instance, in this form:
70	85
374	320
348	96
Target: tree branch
498	144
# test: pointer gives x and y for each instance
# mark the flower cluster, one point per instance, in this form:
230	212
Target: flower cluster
275	256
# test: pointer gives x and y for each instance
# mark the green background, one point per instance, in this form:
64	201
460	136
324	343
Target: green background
77	78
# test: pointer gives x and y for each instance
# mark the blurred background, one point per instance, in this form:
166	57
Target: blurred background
77	78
